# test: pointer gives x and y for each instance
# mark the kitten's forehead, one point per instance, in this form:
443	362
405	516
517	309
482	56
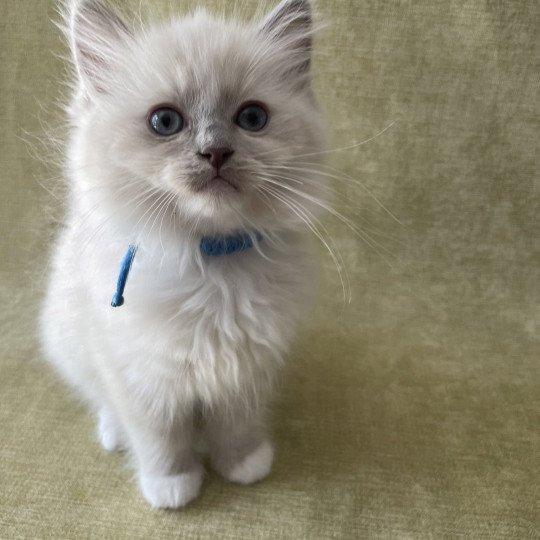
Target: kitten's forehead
205	62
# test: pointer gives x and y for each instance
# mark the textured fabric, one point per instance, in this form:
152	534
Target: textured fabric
410	412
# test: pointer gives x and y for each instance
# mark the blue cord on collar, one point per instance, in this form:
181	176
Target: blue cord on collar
125	267
211	246
225	245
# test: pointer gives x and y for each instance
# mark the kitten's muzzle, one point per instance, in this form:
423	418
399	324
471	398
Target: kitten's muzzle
217	156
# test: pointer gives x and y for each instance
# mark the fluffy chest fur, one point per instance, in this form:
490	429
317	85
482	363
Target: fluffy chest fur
216	327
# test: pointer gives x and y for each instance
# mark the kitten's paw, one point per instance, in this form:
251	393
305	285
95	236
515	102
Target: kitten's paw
172	491
253	467
110	435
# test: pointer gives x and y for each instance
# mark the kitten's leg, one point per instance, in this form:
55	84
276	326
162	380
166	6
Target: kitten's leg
240	449
170	476
110	432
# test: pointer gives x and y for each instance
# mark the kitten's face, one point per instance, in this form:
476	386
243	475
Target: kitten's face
213	119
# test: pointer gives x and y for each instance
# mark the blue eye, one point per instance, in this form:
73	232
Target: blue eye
252	117
166	121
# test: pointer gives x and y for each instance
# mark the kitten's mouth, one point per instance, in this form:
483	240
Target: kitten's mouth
216	184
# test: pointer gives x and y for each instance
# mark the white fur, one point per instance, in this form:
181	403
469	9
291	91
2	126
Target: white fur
255	466
172	491
109	432
197	338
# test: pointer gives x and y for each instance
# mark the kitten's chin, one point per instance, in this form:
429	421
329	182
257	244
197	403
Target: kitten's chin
220	204
217	209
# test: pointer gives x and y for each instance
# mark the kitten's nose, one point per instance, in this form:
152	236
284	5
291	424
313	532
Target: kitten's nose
217	156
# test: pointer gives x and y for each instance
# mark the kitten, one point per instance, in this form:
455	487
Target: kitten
197	142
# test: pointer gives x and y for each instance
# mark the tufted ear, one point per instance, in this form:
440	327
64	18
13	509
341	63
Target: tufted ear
96	35
291	25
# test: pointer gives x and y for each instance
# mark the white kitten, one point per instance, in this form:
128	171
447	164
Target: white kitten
199	132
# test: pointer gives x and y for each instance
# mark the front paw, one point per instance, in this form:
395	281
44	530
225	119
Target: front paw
255	466
109	432
172	491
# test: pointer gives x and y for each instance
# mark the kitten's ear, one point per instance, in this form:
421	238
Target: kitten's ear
291	25
96	35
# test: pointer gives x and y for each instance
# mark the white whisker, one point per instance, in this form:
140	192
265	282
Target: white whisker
352	226
301	213
343	178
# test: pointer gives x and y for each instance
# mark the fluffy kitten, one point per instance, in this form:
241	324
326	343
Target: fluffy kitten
198	128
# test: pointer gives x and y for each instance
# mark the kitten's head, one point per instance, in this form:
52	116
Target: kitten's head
212	118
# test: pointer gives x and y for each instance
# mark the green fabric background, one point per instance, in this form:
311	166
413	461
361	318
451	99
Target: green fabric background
413	411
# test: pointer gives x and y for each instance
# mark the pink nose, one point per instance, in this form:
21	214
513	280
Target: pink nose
216	156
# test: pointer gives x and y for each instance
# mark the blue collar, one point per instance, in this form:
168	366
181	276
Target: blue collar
215	246
212	246
125	267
